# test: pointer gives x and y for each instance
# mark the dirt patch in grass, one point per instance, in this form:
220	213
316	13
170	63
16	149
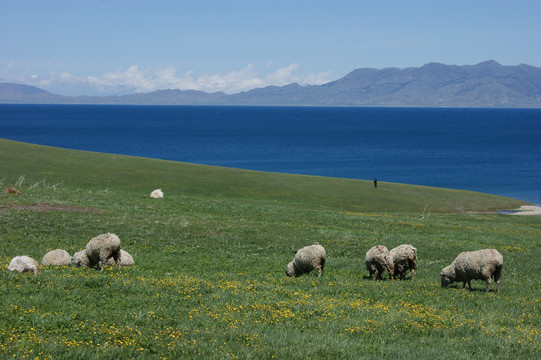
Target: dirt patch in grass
48	207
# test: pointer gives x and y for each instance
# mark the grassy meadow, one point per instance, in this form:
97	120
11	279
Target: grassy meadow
209	280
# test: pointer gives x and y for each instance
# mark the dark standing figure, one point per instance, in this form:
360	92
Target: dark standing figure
375	182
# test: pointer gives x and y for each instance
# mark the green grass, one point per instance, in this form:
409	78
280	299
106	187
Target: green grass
209	279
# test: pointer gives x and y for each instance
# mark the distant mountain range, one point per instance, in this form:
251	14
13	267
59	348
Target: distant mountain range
487	84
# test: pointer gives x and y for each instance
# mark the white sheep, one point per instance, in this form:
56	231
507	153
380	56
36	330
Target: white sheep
56	257
125	259
377	260
474	265
404	259
308	258
80	259
23	264
98	251
156	194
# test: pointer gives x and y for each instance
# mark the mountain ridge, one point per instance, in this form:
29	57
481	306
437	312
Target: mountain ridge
487	84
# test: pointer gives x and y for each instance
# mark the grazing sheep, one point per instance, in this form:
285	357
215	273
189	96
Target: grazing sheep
56	257
98	251
307	259
404	259
80	259
474	265
377	260
125	259
156	194
23	264
12	190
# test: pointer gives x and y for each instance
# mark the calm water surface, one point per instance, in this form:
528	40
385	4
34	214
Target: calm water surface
495	151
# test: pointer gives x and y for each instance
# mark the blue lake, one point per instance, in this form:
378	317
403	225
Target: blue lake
496	151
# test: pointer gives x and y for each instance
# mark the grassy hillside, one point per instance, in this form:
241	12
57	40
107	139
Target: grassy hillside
137	175
209	279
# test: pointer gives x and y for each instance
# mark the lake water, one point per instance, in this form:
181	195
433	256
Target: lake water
496	151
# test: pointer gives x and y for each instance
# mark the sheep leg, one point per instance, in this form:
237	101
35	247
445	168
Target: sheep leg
116	256
321	266
319	270
376	274
104	256
412	267
497	275
488	285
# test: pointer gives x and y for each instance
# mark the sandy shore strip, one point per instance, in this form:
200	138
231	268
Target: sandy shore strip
527	210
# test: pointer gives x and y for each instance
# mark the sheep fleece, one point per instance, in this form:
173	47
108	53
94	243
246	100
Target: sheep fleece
377	260
307	259
23	264
404	259
102	248
80	259
56	257
125	259
474	265
156	194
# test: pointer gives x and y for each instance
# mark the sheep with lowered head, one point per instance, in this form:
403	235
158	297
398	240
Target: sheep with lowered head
125	259
98	251
80	259
378	259
23	264
56	257
474	265
308	258
404	259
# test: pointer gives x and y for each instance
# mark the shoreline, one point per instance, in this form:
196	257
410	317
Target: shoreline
526	210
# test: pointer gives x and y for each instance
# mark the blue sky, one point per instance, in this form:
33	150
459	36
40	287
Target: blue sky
80	47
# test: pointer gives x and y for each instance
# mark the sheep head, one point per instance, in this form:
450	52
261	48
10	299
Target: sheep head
81	259
290	269
447	275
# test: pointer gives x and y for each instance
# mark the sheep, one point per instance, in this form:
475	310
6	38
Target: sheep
56	257
156	194
308	258
80	259
377	260
125	259
98	251
24	264
474	265
404	259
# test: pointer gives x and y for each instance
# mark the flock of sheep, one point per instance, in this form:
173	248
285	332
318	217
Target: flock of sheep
102	250
474	265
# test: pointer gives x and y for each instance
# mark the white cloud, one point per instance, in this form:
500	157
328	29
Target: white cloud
135	79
